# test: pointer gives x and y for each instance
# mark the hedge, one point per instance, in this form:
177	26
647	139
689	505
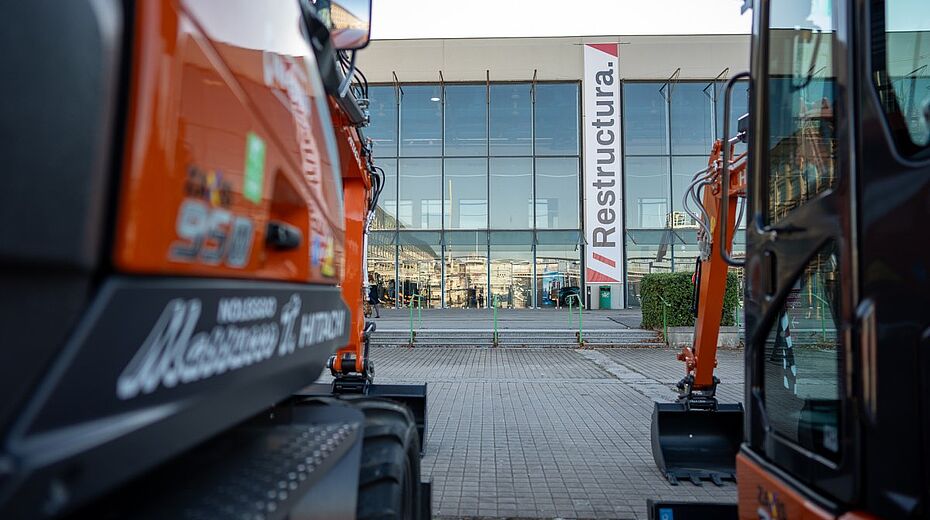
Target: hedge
678	291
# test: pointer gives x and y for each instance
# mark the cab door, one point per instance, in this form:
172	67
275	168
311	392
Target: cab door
800	268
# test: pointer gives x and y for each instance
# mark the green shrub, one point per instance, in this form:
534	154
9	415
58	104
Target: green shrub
678	291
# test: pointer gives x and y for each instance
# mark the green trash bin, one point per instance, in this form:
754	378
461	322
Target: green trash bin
604	297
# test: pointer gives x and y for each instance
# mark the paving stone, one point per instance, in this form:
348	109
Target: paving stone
540	433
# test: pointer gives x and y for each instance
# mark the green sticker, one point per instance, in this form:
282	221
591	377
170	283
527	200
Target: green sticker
254	167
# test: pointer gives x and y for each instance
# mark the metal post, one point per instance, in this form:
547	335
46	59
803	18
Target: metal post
495	305
570	310
665	306
410	306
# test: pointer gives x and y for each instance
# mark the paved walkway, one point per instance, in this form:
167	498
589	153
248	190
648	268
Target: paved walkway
546	433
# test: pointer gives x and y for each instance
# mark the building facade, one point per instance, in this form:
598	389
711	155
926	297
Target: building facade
482	143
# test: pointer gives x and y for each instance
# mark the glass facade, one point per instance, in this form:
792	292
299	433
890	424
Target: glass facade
482	198
668	131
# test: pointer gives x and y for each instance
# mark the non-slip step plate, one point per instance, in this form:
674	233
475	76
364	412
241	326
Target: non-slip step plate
253	473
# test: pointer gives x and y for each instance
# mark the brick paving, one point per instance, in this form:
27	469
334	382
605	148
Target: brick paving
547	433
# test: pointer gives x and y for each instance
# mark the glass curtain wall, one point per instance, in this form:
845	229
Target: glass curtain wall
669	129
472	171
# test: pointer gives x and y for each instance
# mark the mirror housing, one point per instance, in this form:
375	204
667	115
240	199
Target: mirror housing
348	21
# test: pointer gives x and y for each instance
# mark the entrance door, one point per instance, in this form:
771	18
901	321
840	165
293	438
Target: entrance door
799	271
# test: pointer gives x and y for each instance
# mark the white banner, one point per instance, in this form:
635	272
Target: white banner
603	179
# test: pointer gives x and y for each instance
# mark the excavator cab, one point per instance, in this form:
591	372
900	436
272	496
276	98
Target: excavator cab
836	268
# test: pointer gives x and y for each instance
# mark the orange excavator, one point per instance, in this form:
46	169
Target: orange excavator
696	437
837	336
182	256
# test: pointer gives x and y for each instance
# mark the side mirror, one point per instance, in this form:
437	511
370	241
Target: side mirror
349	22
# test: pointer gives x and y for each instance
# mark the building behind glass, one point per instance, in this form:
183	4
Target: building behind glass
481	144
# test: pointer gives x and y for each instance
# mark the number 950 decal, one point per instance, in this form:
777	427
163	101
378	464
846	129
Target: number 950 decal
211	235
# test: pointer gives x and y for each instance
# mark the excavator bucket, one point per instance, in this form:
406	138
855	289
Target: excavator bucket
692	444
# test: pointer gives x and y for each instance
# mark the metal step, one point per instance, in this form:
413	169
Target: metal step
255	471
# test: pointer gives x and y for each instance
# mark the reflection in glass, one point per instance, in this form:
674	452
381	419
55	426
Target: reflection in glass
904	78
386	212
419	204
802	359
466	269
466	120
557	193
511	123
802	143
692	119
511	195
647	251
465	193
558	267
557	119
420	121
383	127
381	255
647	192
419	263
683	170
512	269
645	111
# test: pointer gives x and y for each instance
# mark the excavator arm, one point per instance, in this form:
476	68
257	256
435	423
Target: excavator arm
696	437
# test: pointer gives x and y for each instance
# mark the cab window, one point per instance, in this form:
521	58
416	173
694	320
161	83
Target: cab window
901	61
801	82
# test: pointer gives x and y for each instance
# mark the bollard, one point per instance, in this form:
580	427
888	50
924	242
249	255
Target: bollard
665	306
495	306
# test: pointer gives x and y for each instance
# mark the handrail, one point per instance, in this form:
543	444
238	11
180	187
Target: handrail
495	305
665	306
822	302
568	300
418	298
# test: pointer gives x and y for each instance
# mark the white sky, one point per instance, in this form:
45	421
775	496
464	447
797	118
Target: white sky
400	19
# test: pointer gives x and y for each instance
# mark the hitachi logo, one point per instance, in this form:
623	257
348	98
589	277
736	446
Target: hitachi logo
604	121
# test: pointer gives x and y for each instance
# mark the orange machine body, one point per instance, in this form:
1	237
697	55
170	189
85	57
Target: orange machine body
228	131
763	495
701	359
357	187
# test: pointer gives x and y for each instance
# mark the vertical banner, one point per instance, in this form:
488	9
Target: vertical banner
603	179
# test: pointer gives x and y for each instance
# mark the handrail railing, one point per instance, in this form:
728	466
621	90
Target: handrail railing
665	306
568	300
418	299
823	324
496	303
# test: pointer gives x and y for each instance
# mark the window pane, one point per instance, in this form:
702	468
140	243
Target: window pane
558	267
419	257
383	127
420	121
466	269
739	105
381	255
512	269
647	251
465	193
907	67
800	107
647	192
692	119
511	119
386	212
683	170
557	193
802	355
645	130
466	120
511	196
557	119
420	194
